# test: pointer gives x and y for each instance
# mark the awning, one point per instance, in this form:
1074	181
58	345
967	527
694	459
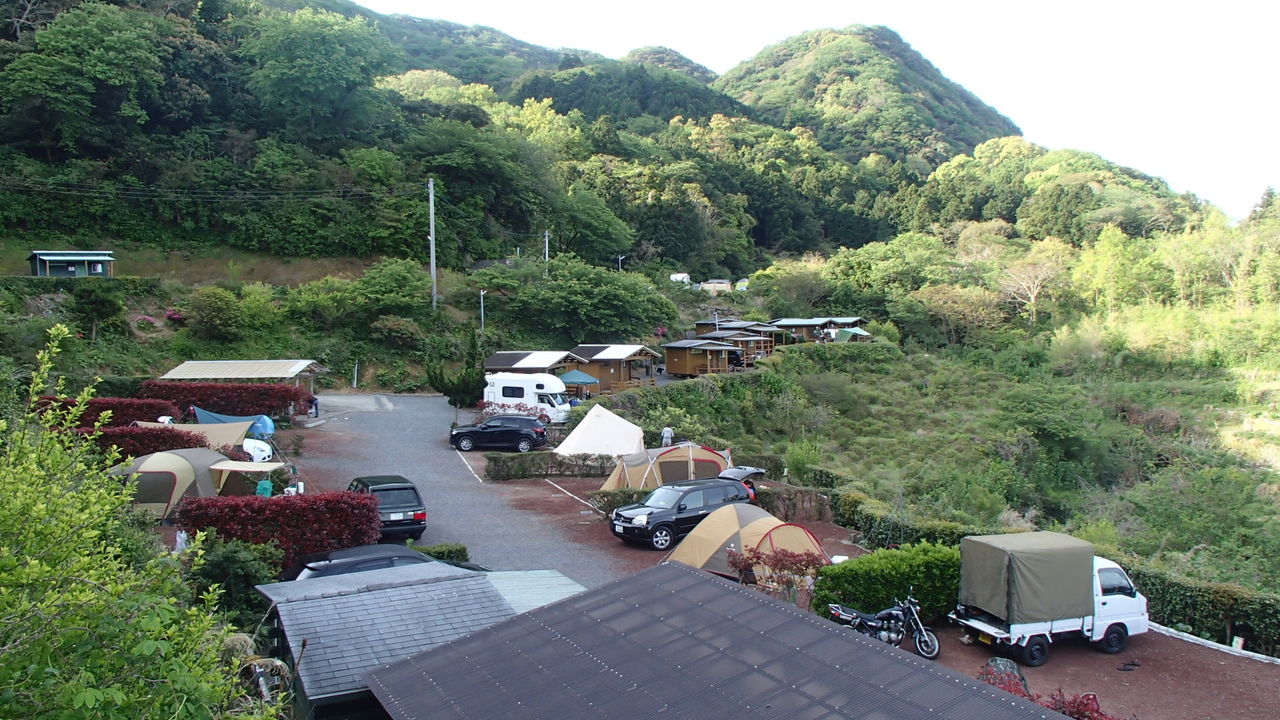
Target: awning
577	377
245	467
242	369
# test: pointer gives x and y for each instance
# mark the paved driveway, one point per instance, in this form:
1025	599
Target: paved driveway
406	435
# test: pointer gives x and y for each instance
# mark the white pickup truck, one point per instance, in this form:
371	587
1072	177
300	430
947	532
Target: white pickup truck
1021	591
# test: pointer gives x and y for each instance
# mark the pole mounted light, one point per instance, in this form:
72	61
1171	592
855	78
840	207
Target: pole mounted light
482	292
620	262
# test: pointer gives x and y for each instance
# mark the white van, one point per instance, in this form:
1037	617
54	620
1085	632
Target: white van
543	391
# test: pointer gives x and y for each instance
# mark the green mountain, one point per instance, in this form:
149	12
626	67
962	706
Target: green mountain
671	60
863	90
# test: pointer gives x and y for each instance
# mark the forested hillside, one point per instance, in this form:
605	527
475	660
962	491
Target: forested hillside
1072	344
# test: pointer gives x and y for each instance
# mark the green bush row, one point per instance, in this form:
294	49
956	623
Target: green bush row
870	583
28	286
1217	611
452	553
610	500
511	466
881	528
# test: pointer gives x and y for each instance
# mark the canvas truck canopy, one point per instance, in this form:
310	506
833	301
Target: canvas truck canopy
1027	577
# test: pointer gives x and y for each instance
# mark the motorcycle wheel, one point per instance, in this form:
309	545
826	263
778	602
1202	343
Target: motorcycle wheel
927	644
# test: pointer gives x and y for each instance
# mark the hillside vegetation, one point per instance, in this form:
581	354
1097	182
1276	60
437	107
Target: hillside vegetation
1062	341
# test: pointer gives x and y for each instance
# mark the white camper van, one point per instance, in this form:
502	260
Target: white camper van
543	391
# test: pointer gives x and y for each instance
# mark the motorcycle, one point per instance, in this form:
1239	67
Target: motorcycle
891	625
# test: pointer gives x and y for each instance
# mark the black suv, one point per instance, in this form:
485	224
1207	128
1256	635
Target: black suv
399	504
671	511
515	432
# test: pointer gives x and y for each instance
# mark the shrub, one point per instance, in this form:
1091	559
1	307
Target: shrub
511	466
800	457
452	553
1079	707
124	411
139	441
297	524
930	573
881	528
236	567
231	398
610	500
781	572
486	410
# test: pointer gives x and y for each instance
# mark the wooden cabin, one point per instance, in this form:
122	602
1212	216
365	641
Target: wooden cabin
752	347
689	358
804	329
617	367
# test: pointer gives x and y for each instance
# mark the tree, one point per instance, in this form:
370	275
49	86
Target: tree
97	623
216	314
1036	274
962	310
314	70
96	302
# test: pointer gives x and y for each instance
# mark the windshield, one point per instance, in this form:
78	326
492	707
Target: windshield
553	399
663	498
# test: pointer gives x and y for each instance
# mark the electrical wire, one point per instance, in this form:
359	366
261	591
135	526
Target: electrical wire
139	192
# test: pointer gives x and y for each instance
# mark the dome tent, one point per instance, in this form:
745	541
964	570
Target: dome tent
740	527
164	479
647	469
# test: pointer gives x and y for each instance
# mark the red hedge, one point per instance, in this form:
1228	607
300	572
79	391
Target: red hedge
231	398
298	524
124	411
139	441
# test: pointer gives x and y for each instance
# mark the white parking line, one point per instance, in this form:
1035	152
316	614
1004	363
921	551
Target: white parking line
469	469
575	497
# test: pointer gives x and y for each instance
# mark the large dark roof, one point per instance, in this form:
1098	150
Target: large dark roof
673	641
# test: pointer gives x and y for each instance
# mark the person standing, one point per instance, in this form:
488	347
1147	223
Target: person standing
667	435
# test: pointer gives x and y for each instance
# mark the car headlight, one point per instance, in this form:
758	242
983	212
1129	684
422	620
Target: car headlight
642	520
453	432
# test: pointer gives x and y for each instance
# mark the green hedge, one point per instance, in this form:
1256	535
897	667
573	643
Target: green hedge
880	528
452	553
1216	611
29	286
511	466
610	500
870	583
827	478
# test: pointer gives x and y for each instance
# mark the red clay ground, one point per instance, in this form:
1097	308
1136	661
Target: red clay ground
1176	680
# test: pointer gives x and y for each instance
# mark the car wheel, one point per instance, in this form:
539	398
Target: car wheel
661	538
525	445
416	535
1035	652
1114	641
466	444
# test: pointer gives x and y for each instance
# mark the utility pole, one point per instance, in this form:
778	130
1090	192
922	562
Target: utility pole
620	262
431	233
546	246
482	292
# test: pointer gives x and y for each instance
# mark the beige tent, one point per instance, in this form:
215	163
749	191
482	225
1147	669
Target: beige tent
602	432
740	527
659	466
217	435
165	478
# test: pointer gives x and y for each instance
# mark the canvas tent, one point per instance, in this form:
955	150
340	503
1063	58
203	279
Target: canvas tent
216	435
166	478
740	527
602	433
659	466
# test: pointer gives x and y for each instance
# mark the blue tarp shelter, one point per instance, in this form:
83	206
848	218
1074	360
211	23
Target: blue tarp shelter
261	429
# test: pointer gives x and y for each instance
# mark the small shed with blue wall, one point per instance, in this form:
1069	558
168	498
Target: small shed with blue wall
72	263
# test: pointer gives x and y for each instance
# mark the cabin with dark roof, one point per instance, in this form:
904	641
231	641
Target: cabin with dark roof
618	367
72	263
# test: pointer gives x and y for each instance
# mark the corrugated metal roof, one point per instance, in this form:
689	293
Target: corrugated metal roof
75	258
798	322
240	369
702	344
353	623
546	358
672	641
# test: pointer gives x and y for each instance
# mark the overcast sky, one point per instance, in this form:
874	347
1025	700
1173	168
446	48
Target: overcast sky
1183	91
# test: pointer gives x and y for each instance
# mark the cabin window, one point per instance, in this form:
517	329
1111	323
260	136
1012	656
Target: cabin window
1114	582
95	267
510	391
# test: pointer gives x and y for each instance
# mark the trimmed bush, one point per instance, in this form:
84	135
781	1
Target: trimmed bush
501	466
452	553
297	524
139	441
870	583
124	411
231	398
610	500
881	528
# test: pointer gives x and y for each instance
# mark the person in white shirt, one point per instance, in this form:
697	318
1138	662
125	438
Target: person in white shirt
667	436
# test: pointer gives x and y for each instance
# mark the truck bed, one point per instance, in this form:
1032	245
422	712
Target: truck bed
993	627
